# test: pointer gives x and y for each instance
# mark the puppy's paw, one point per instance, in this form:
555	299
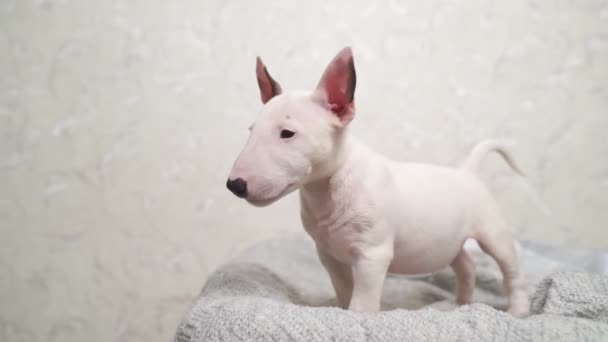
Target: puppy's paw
444	305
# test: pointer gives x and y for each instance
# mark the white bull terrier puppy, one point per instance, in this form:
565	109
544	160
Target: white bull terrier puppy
369	215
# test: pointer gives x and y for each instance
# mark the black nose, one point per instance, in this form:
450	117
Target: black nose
238	187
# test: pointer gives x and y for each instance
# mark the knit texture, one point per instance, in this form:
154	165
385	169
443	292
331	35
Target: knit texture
278	291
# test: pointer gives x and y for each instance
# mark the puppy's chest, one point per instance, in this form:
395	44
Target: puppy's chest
338	223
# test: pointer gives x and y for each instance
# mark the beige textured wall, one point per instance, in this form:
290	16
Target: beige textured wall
119	121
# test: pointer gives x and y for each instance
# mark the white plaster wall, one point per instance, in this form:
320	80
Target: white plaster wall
119	121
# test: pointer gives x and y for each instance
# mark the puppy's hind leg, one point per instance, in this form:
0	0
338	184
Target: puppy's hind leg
464	268
500	246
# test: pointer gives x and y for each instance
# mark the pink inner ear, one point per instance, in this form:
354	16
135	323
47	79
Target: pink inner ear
336	91
339	82
269	88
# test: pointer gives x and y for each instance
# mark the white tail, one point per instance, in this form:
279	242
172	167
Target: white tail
481	150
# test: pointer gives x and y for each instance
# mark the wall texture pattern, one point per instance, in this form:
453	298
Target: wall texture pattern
119	121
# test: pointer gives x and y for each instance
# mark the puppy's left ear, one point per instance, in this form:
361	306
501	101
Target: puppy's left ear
269	88
337	86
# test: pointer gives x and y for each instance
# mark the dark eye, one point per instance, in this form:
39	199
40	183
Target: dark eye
286	134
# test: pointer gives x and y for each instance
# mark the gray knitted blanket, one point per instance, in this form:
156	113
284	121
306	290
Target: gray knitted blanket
278	291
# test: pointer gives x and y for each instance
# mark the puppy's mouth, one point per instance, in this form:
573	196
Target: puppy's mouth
262	202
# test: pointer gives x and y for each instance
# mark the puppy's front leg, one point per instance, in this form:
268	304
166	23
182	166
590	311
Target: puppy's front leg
341	277
369	272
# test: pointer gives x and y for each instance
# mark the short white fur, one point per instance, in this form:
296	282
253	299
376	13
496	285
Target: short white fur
369	215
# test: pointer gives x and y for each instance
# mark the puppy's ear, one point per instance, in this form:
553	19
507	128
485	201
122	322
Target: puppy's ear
337	86
269	88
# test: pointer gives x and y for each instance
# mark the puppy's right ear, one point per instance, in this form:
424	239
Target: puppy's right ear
269	88
336	89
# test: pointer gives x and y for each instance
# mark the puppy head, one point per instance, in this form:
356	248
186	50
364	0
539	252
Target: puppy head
296	135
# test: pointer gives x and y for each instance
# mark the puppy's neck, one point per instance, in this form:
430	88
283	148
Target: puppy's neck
341	152
329	177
